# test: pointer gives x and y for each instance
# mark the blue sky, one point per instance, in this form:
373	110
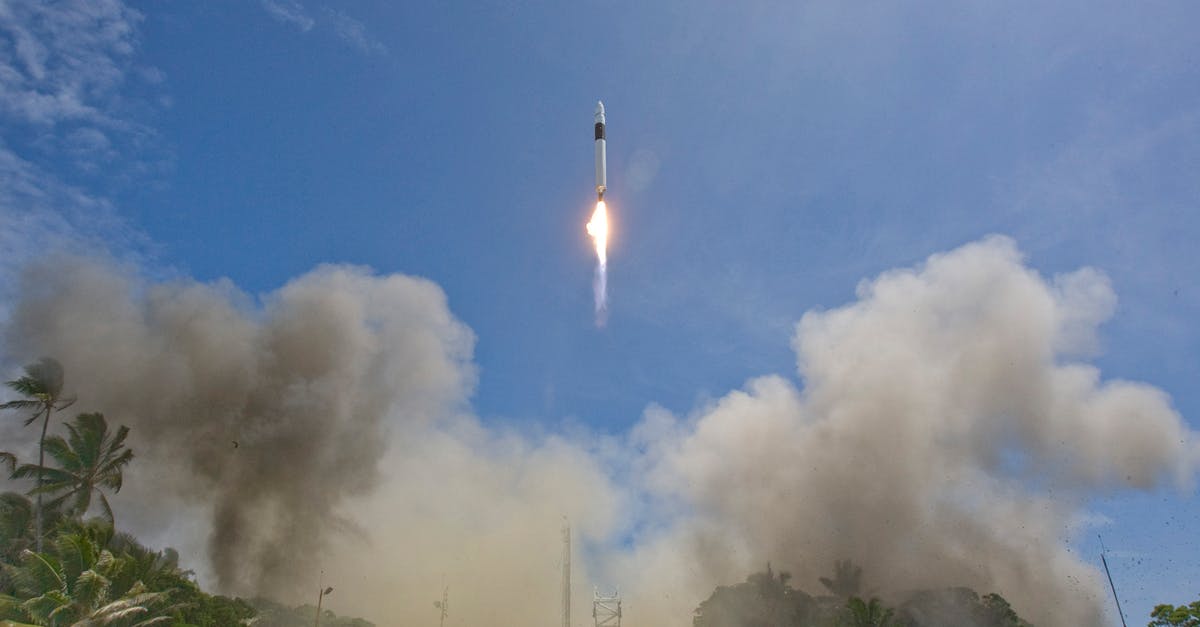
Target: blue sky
763	159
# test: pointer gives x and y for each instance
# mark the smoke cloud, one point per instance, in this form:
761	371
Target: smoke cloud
944	429
269	417
942	436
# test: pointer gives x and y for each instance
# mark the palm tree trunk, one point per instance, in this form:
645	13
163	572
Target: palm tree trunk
37	516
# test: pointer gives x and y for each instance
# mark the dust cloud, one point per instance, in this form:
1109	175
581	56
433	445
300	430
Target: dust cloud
944	429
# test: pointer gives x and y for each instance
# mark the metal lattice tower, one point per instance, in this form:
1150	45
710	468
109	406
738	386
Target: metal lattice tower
443	605
607	610
566	574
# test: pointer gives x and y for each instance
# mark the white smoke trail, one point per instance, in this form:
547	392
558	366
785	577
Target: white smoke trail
600	290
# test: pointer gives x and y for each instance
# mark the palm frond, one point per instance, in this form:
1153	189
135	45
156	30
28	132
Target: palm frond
119	610
90	460
46	607
119	439
106	508
21	404
48	373
30	387
62	452
16	513
77	432
110	473
82	501
135	603
10	460
90	587
39	573
49	475
32	417
41	386
168	559
55	504
126	544
77	553
10	609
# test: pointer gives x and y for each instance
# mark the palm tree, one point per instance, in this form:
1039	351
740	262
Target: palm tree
157	570
16	514
847	579
90	460
998	612
16	525
42	387
77	584
869	613
135	604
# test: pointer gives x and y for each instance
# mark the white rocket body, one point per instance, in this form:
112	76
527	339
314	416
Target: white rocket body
601	158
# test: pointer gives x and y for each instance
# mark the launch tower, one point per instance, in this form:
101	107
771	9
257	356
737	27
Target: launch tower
607	610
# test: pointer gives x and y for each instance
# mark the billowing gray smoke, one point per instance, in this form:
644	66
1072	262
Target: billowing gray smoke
944	431
269	417
943	436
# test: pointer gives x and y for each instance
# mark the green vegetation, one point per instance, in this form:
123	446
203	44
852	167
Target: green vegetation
846	581
79	581
61	569
272	614
868	614
91	458
958	606
768	600
763	600
1171	616
41	387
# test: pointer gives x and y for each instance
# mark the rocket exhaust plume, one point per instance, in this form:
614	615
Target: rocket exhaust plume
597	228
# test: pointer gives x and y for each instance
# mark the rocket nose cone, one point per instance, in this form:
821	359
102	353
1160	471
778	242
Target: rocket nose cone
599	112
599	106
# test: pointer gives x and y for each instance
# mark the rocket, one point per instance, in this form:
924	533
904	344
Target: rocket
601	165
597	227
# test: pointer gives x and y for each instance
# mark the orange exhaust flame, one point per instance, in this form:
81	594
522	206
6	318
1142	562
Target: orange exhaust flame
598	229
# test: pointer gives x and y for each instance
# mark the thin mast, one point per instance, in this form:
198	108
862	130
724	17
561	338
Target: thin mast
1110	582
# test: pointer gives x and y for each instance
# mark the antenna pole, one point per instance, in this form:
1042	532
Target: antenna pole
566	574
1110	582
445	605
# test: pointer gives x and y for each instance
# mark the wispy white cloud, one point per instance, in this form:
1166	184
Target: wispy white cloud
40	214
290	12
70	131
354	33
67	70
349	30
64	61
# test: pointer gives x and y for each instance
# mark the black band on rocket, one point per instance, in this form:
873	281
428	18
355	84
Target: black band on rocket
599	131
